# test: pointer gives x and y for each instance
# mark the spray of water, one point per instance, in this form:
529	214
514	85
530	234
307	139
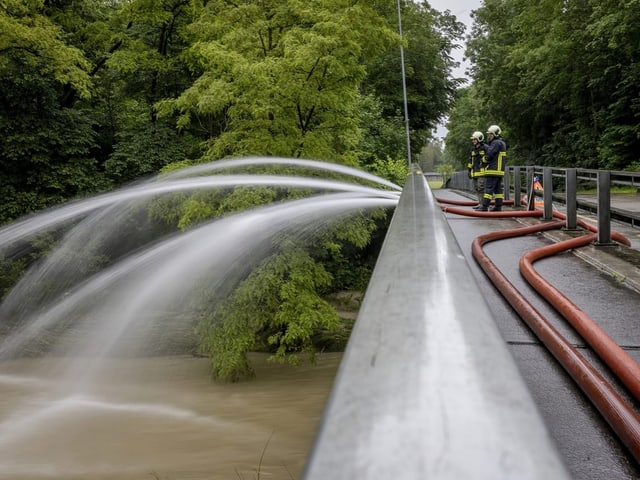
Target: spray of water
256	161
98	306
42	221
164	274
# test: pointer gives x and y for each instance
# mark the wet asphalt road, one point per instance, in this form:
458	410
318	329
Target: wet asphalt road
584	439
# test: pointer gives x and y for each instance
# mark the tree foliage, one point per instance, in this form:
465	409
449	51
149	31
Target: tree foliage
280	78
280	301
45	149
467	117
97	94
563	77
430	37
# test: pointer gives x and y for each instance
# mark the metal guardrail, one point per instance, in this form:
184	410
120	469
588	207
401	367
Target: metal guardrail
427	387
561	185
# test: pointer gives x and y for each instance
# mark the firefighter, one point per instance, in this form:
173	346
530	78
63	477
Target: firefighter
476	165
495	162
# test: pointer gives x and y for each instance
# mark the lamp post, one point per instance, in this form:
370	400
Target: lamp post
404	87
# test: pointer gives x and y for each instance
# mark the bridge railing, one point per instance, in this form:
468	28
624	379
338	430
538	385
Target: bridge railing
427	387
564	185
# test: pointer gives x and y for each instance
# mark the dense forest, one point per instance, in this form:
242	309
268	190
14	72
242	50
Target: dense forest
100	93
562	79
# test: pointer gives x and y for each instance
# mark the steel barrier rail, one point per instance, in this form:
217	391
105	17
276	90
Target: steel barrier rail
427	387
561	186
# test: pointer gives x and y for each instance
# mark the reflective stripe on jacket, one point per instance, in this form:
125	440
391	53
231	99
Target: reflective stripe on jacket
476	163
495	157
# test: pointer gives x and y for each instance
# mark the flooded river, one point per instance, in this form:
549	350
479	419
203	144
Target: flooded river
160	418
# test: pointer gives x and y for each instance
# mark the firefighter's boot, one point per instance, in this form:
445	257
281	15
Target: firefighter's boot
497	207
484	206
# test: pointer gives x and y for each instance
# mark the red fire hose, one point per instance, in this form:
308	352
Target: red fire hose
620	416
625	367
502	214
467	203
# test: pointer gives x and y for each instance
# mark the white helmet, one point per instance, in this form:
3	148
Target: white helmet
494	129
478	136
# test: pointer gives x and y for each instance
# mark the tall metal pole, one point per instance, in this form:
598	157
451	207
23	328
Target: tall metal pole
404	87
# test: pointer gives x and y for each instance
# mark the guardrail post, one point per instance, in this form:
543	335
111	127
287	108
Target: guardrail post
547	192
571	190
517	187
506	184
531	201
604	207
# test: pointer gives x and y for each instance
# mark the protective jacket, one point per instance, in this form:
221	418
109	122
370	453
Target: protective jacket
476	163
495	157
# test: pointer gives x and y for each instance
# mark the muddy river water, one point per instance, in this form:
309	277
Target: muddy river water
160	418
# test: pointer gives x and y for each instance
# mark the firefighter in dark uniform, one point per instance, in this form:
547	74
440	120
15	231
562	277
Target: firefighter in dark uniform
476	165
495	162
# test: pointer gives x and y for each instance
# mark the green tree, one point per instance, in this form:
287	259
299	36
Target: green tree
280	78
430	38
45	155
563	77
466	117
279	306
495	82
431	156
614	49
106	84
446	170
279	301
383	136
142	66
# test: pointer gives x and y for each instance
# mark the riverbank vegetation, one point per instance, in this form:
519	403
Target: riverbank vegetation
99	94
